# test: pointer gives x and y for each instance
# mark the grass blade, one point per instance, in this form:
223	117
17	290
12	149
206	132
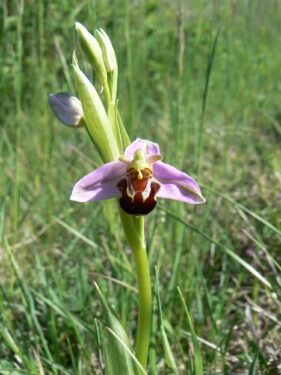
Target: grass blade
120	356
169	357
254	365
198	365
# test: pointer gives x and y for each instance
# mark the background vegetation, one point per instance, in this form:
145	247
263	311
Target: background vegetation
202	78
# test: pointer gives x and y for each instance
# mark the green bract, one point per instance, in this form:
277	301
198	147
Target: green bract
97	122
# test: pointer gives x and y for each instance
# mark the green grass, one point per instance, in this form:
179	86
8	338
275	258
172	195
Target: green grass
214	108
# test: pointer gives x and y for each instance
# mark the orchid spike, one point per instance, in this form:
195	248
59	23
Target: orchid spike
138	178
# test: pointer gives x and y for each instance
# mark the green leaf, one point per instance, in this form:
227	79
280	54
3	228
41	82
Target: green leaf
198	365
129	351
254	365
120	354
7	368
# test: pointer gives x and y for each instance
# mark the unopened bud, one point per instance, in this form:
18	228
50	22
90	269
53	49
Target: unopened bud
108	53
67	108
91	50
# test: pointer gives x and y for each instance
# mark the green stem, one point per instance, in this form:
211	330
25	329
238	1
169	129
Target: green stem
144	313
134	230
111	109
114	81
107	95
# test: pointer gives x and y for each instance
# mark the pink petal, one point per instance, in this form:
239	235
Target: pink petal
150	147
176	185
99	184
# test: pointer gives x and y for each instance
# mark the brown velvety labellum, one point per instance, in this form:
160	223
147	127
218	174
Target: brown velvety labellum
137	197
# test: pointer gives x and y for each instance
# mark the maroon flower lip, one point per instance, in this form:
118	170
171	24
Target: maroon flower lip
138	182
138	196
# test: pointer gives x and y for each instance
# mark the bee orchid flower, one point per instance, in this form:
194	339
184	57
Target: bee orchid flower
138	178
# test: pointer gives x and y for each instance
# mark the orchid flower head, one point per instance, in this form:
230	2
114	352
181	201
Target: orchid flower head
137	179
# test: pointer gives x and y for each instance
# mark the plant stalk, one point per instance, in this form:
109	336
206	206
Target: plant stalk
134	230
144	312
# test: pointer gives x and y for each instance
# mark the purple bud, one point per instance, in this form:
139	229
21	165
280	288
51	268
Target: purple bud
250	252
67	108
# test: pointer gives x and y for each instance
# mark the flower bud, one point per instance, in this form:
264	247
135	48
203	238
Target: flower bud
92	51
67	108
108	53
